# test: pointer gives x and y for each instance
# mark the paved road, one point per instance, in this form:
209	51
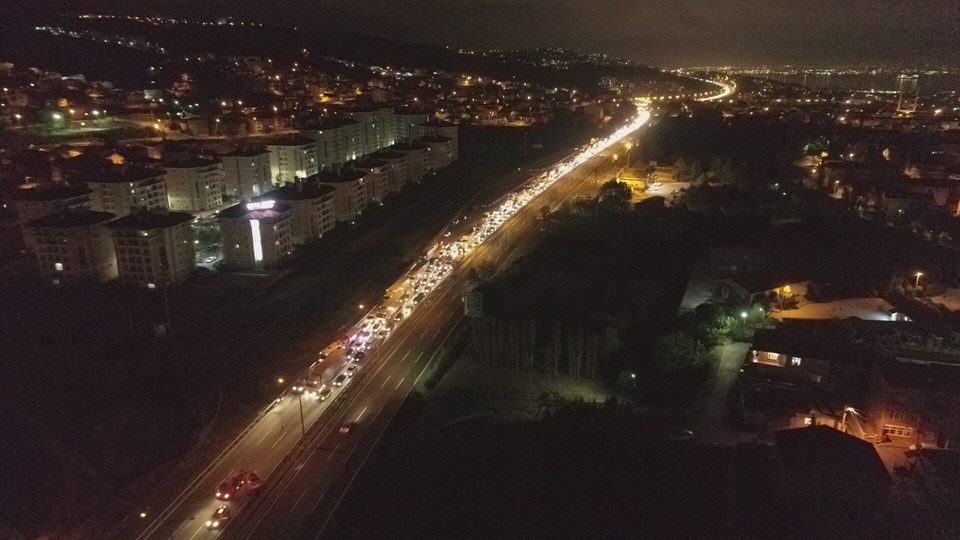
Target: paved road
303	490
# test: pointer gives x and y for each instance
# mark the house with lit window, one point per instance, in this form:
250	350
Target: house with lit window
913	401
256	235
800	358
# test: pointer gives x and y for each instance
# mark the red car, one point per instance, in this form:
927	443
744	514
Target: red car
238	484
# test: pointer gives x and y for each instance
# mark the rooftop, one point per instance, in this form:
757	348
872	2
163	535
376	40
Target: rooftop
69	219
115	174
47	192
324	123
928	376
368	163
291	140
250	151
804	347
142	221
241	211
434	139
387	155
308	188
189	163
407	147
345	175
822	447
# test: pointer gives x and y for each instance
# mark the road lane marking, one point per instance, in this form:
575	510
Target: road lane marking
399	383
405	356
300	498
370	451
333	452
385	381
361	414
265	435
196	533
282	435
418	358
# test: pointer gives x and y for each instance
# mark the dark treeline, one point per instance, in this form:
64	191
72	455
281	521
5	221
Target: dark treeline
588	302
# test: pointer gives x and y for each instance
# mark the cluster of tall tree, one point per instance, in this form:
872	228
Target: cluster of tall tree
548	347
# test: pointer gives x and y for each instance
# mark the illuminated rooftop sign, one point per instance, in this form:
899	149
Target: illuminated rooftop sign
260	205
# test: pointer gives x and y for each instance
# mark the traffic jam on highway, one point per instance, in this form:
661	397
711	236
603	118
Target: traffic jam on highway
339	363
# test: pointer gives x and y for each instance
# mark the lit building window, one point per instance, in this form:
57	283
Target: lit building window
58	267
773	356
795	361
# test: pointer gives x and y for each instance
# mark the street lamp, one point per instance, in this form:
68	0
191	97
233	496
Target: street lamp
917	275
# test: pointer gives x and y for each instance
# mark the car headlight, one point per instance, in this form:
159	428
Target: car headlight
209	523
216	524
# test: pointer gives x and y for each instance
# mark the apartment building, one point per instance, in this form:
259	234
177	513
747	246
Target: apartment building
350	192
313	207
292	157
256	235
443	129
122	189
33	201
396	169
246	173
378	173
440	151
417	159
72	246
153	249
195	184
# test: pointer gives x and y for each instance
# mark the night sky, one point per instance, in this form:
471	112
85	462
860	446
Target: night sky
663	32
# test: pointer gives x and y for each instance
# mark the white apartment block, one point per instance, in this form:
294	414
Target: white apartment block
350	196
122	189
195	185
247	173
256	235
292	158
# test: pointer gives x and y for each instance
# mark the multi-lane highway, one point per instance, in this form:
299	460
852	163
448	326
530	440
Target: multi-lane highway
309	450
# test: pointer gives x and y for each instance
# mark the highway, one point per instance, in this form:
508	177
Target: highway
306	476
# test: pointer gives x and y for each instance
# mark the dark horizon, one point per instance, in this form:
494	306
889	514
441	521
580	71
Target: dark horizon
679	33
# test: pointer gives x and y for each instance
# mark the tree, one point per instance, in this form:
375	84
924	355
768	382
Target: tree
614	196
680	370
677	352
